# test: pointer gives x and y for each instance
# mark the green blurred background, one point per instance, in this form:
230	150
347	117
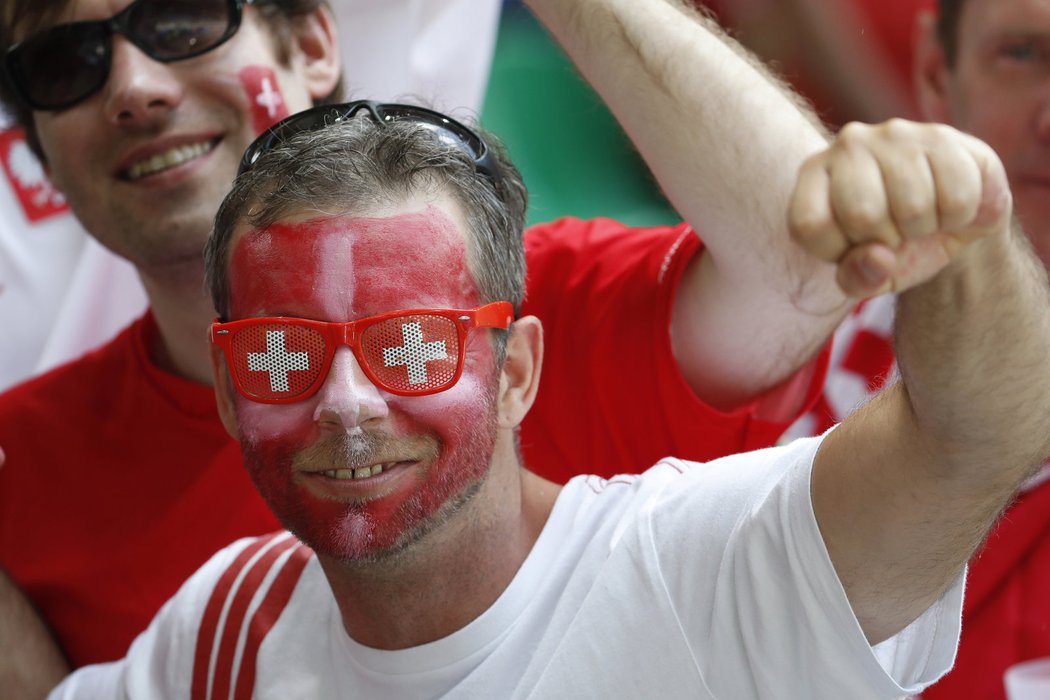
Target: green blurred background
574	156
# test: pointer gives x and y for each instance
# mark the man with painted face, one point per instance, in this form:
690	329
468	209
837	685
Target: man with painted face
370	356
120	480
983	66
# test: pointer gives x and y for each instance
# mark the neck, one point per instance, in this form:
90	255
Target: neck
182	311
448	579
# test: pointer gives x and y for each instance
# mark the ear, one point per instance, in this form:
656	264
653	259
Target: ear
223	391
520	378
317	52
930	70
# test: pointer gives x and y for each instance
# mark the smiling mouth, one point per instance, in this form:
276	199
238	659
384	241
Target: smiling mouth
168	159
359	473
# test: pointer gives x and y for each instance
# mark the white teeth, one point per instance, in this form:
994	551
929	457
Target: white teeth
168	159
359	473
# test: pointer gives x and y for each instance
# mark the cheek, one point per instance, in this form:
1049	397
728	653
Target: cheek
469	403
279	426
266	103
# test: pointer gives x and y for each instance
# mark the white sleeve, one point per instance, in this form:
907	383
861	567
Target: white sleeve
765	613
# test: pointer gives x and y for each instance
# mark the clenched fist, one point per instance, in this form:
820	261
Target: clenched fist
893	204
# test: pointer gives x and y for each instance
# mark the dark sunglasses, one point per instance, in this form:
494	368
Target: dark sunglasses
445	129
67	63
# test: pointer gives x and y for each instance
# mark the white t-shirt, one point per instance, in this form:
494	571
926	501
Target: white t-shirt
690	580
62	294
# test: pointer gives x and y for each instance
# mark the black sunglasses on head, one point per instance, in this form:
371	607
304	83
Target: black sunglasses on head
67	63
444	128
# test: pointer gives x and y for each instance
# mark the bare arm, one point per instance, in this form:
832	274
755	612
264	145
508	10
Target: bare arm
906	488
725	140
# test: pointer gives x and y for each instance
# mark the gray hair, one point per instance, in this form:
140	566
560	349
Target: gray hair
358	164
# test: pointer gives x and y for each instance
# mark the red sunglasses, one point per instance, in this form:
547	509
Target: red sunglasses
414	352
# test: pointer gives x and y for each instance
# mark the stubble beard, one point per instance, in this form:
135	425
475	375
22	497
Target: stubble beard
350	537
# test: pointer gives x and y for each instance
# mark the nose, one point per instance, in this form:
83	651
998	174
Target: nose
347	399
139	90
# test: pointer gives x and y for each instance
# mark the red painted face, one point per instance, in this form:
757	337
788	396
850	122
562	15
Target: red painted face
433	451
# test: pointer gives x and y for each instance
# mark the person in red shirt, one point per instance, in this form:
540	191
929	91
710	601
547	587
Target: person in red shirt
119	478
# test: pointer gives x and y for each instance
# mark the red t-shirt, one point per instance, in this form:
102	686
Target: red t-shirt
611	396
120	480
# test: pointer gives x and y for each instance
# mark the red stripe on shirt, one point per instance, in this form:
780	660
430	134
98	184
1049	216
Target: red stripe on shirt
212	611
242	598
266	616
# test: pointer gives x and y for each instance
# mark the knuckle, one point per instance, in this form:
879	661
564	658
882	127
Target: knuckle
911	209
809	228
853	135
956	207
861	217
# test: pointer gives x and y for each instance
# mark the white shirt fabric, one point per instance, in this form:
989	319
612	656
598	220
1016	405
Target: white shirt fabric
62	294
688	581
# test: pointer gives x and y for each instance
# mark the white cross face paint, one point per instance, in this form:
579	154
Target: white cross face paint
432	450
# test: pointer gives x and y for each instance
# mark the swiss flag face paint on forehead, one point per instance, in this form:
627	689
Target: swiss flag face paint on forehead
344	268
264	96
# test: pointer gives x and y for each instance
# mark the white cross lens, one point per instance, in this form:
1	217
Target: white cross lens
414	354
277	361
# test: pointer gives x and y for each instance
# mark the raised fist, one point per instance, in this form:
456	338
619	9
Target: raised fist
893	204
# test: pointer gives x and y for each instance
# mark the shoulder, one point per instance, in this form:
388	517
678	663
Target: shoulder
569	234
208	634
221	614
573	259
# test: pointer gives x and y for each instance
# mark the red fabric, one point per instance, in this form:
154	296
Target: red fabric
119	483
885	28
120	480
1006	616
611	397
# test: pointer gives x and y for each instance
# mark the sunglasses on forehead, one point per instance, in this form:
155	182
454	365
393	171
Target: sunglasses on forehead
409	353
446	129
67	63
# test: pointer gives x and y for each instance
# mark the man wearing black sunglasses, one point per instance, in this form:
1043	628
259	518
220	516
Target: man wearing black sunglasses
143	130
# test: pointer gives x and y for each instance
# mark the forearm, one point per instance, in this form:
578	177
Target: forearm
725	140
972	347
31	663
921	474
